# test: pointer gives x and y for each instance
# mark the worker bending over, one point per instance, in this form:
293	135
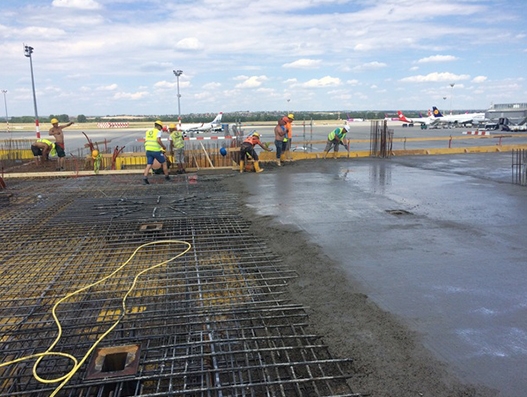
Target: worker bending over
247	148
155	150
41	149
336	138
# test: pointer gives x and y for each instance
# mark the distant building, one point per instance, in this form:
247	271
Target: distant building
515	112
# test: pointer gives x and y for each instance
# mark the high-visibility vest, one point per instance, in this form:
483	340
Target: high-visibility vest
253	140
151	144
337	132
177	139
46	141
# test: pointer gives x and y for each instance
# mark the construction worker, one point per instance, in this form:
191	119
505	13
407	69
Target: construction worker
57	132
41	149
279	134
155	150
177	142
247	148
286	147
336	138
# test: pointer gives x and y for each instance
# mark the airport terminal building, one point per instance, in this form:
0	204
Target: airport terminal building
516	112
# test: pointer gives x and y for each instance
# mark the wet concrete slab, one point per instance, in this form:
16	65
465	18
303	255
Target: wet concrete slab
440	241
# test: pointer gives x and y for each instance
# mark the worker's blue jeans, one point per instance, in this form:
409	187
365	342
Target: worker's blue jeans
278	145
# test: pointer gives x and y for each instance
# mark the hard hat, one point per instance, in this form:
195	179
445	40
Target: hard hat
94	153
257	135
223	151
54	121
173	126
159	123
347	128
291	116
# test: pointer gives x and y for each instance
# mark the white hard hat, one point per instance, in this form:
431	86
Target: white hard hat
347	128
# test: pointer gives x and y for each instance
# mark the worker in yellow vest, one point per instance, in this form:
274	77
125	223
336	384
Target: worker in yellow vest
177	147
336	138
41	149
155	150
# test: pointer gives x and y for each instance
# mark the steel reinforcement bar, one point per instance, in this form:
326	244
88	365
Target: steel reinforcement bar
98	268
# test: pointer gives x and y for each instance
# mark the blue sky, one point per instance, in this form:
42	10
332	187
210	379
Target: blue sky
110	57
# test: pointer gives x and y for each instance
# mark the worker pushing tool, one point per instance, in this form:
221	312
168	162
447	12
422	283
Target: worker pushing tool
336	138
247	148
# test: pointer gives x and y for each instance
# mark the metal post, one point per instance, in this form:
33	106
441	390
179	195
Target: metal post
178	73
27	52
6	116
451	96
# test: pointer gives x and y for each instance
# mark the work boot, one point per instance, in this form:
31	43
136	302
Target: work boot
167	177
242	166
278	163
335	155
145	181
257	167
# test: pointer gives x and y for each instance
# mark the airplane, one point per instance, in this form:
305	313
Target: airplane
214	125
421	120
465	118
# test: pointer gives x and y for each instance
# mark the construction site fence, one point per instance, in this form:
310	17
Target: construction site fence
519	167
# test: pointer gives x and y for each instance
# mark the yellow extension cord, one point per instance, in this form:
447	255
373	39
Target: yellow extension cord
77	364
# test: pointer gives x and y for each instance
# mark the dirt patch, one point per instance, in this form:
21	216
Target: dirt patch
389	360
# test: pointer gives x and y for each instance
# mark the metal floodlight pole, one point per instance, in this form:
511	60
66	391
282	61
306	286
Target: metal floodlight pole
27	52
451	95
6	116
178	73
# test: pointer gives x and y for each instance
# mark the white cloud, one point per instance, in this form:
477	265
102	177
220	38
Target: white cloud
165	85
370	66
435	77
80	4
130	95
326	81
189	43
479	79
111	87
251	82
304	64
211	86
438	58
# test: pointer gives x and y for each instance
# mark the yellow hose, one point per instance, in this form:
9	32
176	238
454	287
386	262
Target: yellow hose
76	363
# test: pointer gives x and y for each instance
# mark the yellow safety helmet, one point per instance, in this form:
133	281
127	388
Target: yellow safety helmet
291	116
172	126
94	153
159	122
257	135
54	121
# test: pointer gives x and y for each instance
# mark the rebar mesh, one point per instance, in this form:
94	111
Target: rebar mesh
216	321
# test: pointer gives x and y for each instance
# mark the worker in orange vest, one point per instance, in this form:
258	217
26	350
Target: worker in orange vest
247	148
286	147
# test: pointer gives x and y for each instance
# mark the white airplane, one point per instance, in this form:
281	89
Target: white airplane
421	120
465	118
214	125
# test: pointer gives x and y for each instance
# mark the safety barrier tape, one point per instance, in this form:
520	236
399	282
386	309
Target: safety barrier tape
476	132
113	125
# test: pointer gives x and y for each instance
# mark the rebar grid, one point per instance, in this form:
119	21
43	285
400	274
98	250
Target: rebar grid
216	321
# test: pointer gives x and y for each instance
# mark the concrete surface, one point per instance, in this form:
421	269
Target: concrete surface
451	262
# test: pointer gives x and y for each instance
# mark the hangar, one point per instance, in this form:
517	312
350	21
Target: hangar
515	112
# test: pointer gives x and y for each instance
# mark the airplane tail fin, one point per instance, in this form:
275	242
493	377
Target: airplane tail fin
402	117
436	112
217	119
